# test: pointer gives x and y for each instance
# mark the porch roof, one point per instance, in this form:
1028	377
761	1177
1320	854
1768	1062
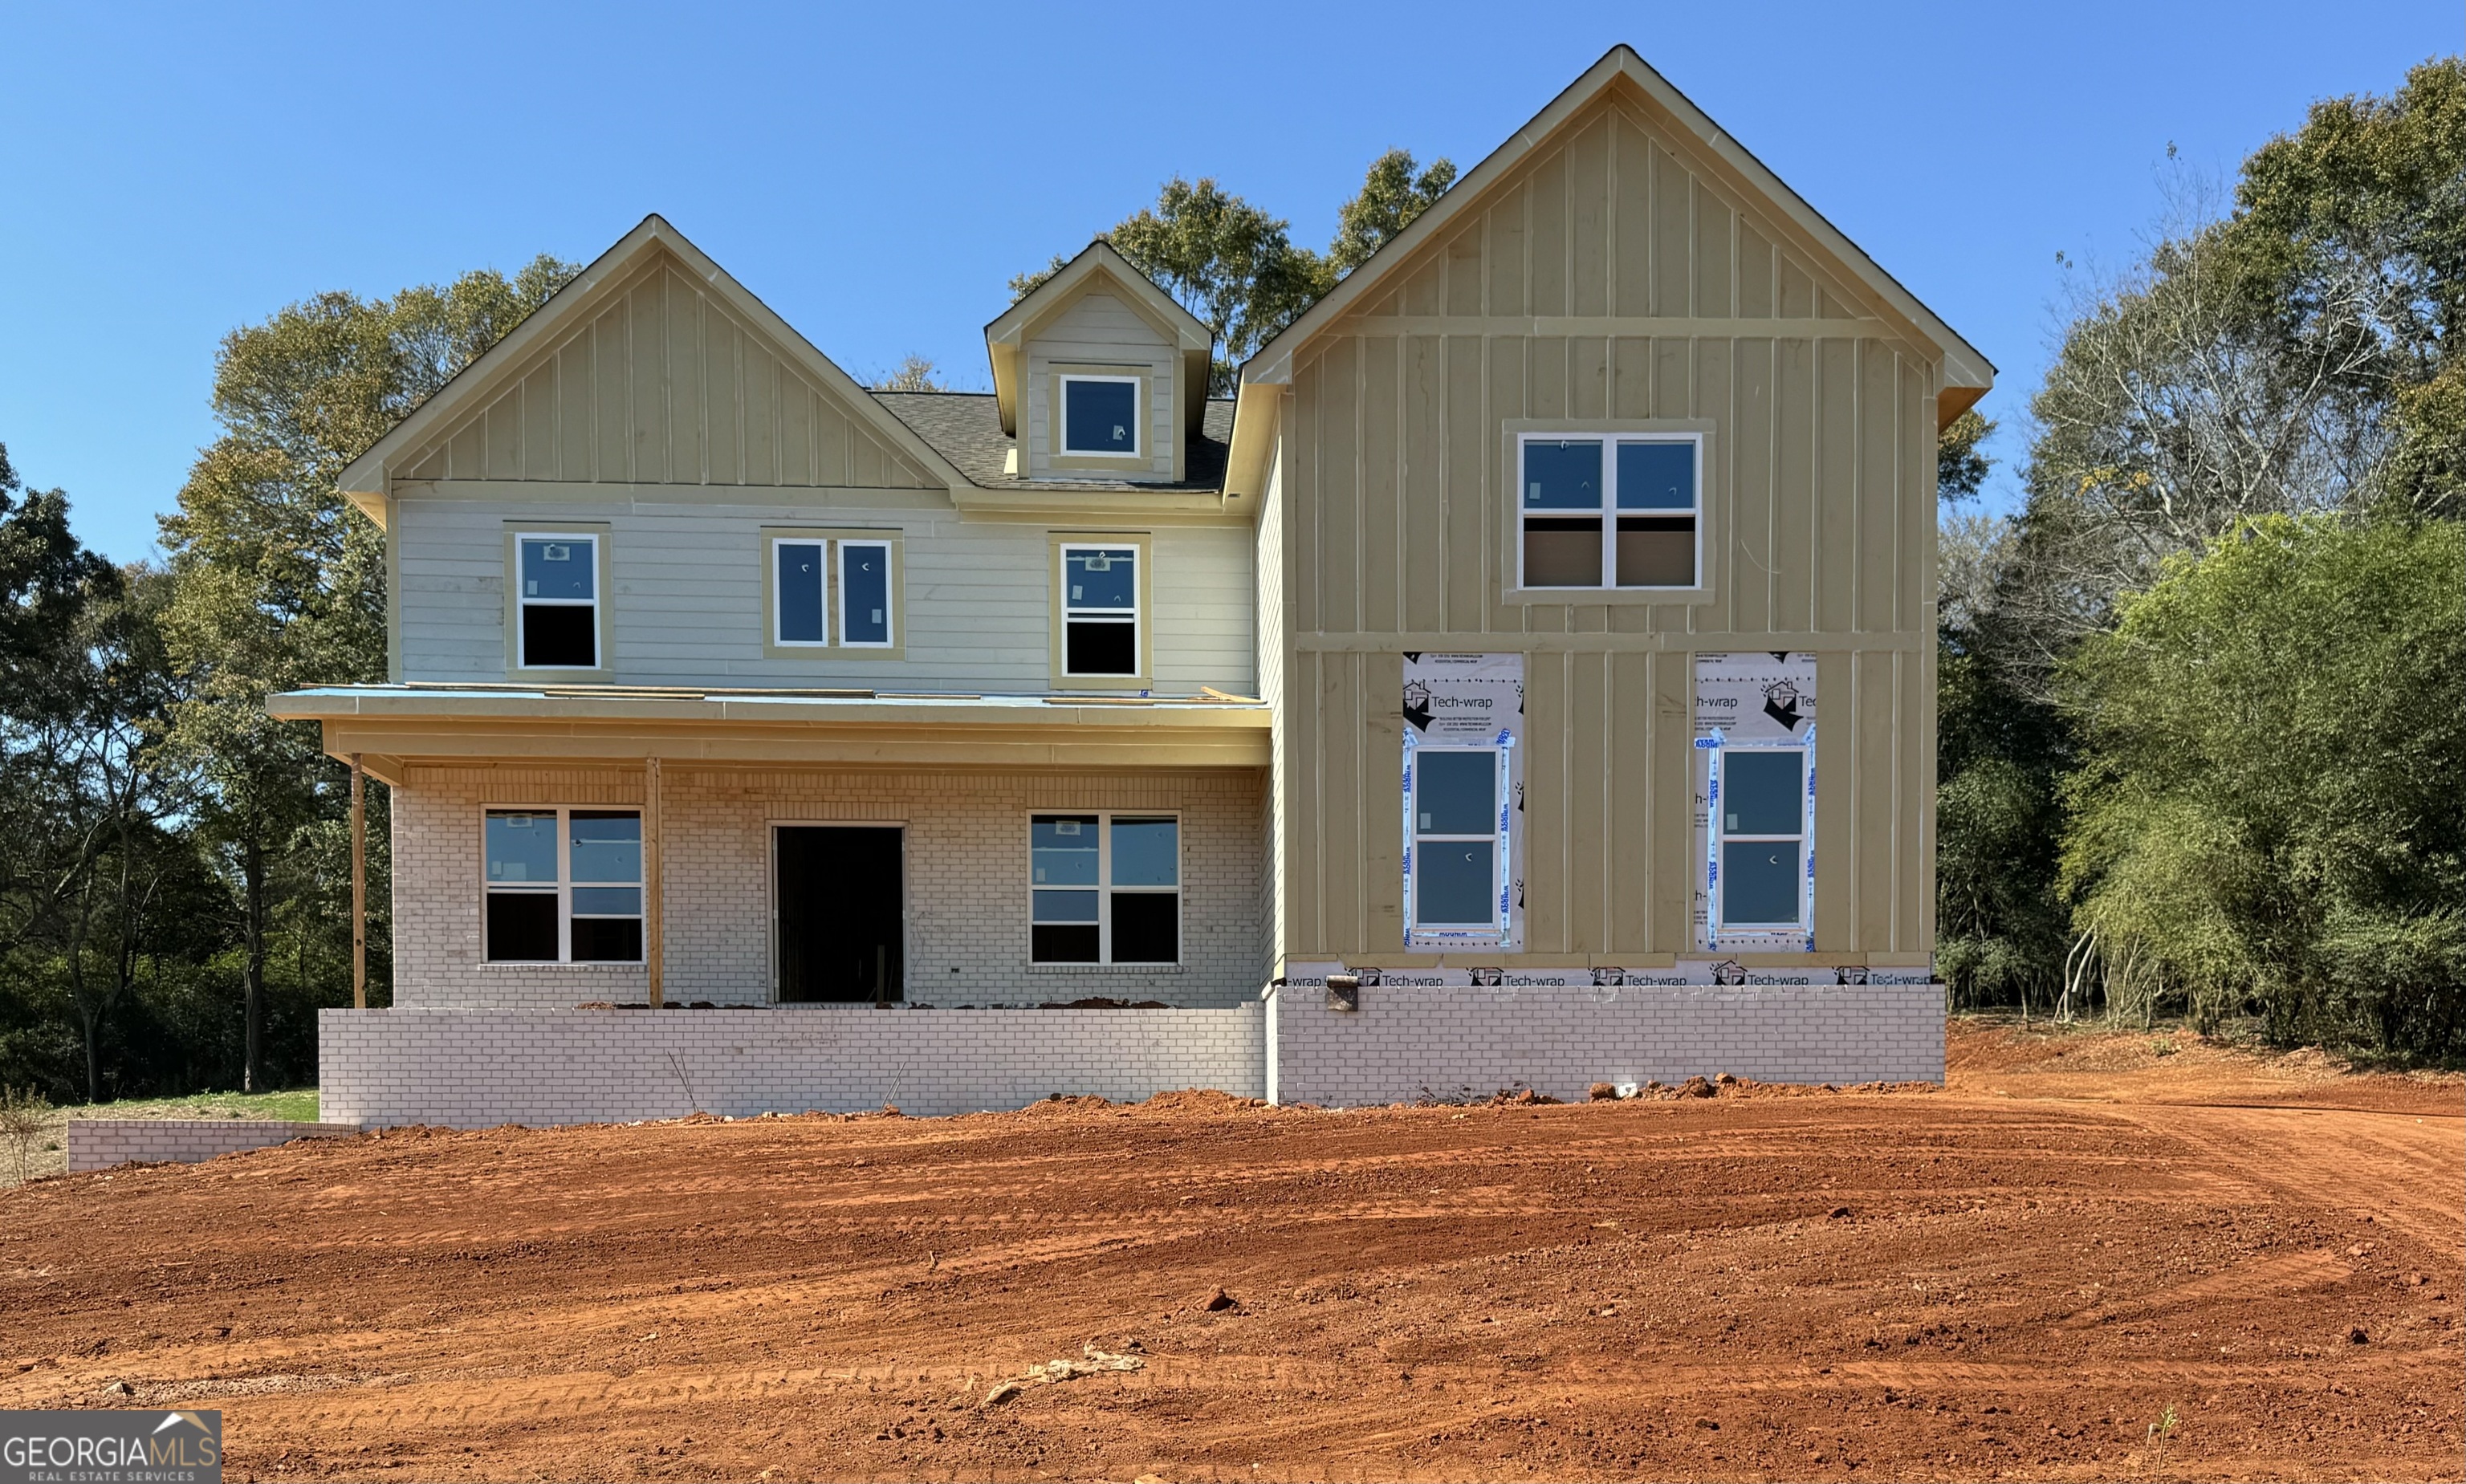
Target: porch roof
392	727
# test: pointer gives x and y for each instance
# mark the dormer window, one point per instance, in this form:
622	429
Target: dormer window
1100	415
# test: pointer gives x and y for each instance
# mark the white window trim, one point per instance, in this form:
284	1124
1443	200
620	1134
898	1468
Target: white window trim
1070	611
1105	889
1138	415
1720	836
779	594
565	884
1608	510
522	640
1416	836
836	577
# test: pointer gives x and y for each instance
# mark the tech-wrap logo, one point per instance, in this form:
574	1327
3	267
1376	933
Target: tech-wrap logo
111	1447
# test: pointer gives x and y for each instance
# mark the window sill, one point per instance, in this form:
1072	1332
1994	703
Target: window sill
1588	597
1108	967
501	964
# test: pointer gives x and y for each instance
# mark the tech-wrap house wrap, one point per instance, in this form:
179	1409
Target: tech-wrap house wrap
719	679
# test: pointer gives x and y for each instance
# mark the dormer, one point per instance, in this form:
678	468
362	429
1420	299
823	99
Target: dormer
1100	376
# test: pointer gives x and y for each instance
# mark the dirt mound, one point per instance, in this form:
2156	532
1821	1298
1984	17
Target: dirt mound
1761	1283
1201	1102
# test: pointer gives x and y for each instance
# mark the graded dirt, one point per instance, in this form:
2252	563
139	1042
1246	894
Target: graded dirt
2091	1256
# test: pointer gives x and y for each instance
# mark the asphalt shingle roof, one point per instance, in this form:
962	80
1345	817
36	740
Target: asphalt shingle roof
965	427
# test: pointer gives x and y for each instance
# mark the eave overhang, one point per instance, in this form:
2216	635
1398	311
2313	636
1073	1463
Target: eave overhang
393	728
1006	337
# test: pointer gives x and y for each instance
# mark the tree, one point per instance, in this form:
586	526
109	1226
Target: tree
1236	268
1960	463
2267	811
1390	197
279	583
913	373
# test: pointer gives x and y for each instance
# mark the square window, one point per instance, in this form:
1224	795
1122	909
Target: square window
564	637
1100	415
558	567
1147	852
1147	927
562	885
1657	476
1455	793
607	845
1563	475
1760	880
1764	791
1454	883
1102	888
522	849
521	927
1563	552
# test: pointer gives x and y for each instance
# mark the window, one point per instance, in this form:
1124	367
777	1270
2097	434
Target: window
1100	609
564	885
1100	415
831	590
1457	827
1613	510
1105	888
558	603
1760	803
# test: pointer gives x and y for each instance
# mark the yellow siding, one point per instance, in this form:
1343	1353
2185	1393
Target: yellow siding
665	386
1620	273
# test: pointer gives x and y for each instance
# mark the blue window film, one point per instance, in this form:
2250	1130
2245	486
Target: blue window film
1657	476
1453	884
800	592
607	901
1763	792
1099	417
521	848
1146	853
1455	793
1105	580
1760	882
607	846
1561	475
865	593
1064	906
1061	850
559	570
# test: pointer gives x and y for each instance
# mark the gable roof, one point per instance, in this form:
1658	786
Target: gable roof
1097	266
367	480
1967	373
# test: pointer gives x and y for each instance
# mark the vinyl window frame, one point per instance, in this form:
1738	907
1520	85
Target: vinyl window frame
1710	482
1107	458
1105	890
599	533
834	645
563	888
1142	615
1719	837
1500	840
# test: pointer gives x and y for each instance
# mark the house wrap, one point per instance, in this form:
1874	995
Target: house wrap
1541	634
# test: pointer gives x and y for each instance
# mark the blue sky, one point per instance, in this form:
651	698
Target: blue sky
877	173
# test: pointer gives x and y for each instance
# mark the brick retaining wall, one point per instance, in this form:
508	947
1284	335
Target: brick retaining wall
99	1143
477	1067
1559	1040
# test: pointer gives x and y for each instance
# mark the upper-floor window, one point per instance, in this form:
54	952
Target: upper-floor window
1610	510
558	624
1100	609
1100	415
832	592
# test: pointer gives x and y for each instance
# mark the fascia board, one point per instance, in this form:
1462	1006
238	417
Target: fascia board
1254	439
564	713
1015	323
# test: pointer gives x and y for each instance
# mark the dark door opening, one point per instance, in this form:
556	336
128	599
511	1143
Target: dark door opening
839	893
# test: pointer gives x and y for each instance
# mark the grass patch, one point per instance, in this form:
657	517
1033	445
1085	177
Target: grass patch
50	1154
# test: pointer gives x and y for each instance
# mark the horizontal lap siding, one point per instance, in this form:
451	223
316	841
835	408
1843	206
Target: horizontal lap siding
1667	295
1100	329
687	586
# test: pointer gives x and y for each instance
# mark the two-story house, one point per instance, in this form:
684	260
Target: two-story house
1475	650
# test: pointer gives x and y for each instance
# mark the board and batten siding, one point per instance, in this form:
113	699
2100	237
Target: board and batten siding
686	594
666	386
1097	328
1619	275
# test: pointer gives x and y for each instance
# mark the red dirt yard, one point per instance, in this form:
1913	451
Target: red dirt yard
2022	1276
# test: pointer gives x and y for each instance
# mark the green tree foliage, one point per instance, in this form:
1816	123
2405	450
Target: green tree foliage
1961	462
1236	268
2267	812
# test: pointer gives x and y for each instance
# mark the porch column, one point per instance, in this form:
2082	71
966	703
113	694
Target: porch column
652	956
359	886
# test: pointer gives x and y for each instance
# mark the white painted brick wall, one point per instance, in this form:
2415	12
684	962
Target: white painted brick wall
99	1143
966	855
478	1068
1403	1043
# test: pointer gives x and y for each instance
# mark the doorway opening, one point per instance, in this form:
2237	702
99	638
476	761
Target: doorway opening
837	893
